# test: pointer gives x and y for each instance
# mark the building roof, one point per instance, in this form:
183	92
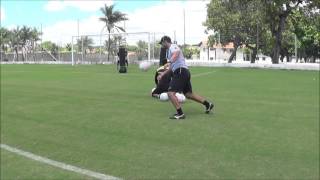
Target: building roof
204	43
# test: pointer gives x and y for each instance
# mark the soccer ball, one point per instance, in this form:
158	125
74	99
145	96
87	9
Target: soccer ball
164	97
145	65
181	98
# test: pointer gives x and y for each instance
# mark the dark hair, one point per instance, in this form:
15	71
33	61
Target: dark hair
165	38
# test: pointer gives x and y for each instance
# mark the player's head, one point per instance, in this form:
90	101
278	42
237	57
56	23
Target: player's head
165	41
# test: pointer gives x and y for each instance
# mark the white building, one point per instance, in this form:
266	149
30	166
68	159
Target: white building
220	54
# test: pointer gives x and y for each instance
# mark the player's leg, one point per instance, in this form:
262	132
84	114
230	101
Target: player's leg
176	85
195	97
208	105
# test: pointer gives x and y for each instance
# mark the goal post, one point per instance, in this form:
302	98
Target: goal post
102	48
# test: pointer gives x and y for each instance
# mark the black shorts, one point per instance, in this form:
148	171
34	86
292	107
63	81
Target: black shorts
180	81
161	88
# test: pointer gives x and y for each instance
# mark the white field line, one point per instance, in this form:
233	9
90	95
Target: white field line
58	164
202	74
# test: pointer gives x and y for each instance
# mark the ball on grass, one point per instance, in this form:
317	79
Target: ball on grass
164	97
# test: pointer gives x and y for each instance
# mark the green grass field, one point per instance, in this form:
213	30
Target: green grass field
265	124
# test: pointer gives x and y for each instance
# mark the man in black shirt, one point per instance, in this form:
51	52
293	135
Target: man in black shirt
163	84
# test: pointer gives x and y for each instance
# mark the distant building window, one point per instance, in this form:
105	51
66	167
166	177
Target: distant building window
211	58
212	49
263	58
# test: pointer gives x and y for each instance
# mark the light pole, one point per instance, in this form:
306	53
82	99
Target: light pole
184	28
100	41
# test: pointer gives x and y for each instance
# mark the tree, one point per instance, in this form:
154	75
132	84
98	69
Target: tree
141	51
276	14
157	49
84	42
264	25
235	21
68	47
190	51
306	26
5	38
15	41
111	18
34	37
51	47
25	37
113	45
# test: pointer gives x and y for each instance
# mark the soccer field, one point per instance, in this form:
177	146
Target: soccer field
265	124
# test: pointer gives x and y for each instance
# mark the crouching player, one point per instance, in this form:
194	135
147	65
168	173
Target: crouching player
162	85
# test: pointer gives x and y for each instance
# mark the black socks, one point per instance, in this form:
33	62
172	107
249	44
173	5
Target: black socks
206	103
179	111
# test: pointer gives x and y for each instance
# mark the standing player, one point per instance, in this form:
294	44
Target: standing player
180	81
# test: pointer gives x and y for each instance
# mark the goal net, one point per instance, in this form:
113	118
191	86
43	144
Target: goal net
103	48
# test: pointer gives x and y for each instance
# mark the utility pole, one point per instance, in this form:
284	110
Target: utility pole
257	36
41	33
78	27
295	47
78	38
257	43
41	50
154	44
184	28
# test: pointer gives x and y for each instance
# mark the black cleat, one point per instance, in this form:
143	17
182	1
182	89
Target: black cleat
177	116
209	108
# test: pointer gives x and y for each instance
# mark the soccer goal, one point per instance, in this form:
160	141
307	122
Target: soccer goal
103	48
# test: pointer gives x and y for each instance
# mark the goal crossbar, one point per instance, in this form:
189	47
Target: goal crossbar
148	34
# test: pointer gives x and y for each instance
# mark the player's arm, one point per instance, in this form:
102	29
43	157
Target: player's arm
164	72
174	56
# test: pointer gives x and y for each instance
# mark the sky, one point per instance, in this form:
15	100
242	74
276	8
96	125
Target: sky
59	20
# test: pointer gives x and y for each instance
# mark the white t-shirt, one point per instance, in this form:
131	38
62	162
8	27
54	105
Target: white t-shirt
180	62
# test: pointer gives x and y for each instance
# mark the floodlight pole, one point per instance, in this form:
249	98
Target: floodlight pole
154	44
149	46
72	58
82	39
295	48
100	41
184	28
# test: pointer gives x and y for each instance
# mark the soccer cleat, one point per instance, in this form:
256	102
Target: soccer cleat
177	116
209	108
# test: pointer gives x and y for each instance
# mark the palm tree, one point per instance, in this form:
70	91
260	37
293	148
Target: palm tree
25	40
68	47
35	36
85	43
111	18
5	40
142	46
15	41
